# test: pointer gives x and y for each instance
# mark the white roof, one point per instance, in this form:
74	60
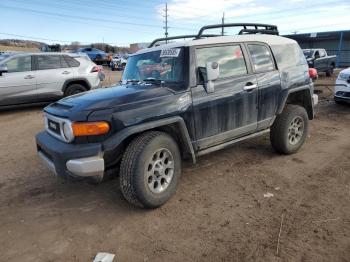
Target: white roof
267	39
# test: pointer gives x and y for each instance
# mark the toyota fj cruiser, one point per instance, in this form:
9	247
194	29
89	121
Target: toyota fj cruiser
181	100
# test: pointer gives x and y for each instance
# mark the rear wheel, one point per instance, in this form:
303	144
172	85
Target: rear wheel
74	89
150	169
289	130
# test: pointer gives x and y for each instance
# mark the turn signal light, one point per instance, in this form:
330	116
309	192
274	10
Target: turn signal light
90	128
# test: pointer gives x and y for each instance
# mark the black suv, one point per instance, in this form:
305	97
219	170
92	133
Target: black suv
179	101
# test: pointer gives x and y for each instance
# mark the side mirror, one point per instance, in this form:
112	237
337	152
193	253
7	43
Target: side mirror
3	69
212	70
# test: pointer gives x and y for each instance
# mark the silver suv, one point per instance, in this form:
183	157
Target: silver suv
43	77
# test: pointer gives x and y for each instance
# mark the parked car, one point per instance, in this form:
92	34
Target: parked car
318	59
342	88
199	96
96	55
40	77
118	63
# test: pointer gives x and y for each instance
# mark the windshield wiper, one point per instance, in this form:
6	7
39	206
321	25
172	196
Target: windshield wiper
153	80
127	81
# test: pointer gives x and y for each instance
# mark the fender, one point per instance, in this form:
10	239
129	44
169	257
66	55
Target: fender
79	79
284	97
118	138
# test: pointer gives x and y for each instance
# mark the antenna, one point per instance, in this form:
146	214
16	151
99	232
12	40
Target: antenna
166	22
223	22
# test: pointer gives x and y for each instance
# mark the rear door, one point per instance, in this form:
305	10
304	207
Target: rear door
52	72
269	82
18	85
231	111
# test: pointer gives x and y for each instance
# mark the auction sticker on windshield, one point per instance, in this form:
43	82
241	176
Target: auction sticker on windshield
173	52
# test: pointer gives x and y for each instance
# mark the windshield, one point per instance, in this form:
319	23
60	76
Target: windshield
163	65
307	53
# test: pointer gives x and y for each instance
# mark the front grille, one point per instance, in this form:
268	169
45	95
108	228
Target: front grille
54	126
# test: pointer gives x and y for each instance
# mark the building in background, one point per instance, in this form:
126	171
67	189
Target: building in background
137	46
335	42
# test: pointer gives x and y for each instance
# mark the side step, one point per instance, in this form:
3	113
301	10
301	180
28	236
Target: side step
231	142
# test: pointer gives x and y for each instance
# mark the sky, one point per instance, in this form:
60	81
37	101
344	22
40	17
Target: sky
121	22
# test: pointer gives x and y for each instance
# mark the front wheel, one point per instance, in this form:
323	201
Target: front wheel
289	131
150	169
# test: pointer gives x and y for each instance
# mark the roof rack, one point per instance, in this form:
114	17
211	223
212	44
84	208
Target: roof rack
178	37
254	28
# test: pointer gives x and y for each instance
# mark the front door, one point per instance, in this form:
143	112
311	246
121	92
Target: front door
18	85
231	110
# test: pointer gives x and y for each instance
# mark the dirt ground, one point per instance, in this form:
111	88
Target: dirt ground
219	212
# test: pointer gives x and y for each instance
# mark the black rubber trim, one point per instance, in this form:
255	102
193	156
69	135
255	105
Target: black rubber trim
118	138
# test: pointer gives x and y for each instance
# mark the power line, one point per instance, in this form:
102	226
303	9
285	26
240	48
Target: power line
86	7
77	17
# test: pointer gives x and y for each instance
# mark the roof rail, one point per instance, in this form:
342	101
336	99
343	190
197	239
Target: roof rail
254	28
178	37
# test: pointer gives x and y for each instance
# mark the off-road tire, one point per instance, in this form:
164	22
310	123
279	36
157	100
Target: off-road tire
279	134
74	89
132	174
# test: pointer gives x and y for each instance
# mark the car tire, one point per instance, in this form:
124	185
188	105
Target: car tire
330	71
150	169
74	89
289	131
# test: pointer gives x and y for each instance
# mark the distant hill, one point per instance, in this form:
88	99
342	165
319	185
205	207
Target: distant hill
21	43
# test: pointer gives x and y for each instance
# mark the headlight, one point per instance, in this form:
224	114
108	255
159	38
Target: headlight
67	131
343	76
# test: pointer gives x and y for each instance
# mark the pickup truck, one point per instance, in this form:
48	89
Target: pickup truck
182	100
96	55
318	59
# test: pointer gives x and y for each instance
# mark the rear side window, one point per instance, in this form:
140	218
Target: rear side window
19	64
261	58
230	59
322	53
64	63
49	62
288	55
71	61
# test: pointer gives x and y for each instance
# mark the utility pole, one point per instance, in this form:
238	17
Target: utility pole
223	22
166	22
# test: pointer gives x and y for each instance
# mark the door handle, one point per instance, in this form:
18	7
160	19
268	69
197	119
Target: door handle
249	87
65	72
29	77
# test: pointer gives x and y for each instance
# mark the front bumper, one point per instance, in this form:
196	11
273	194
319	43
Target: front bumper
63	159
342	98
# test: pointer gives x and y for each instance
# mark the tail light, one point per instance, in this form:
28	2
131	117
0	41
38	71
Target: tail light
96	69
313	73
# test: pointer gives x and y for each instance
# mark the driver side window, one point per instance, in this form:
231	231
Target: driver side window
19	64
229	57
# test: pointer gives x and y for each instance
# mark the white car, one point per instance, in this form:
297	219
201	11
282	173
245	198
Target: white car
27	78
342	87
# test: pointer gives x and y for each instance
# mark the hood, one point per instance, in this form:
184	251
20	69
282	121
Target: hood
106	98
345	71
